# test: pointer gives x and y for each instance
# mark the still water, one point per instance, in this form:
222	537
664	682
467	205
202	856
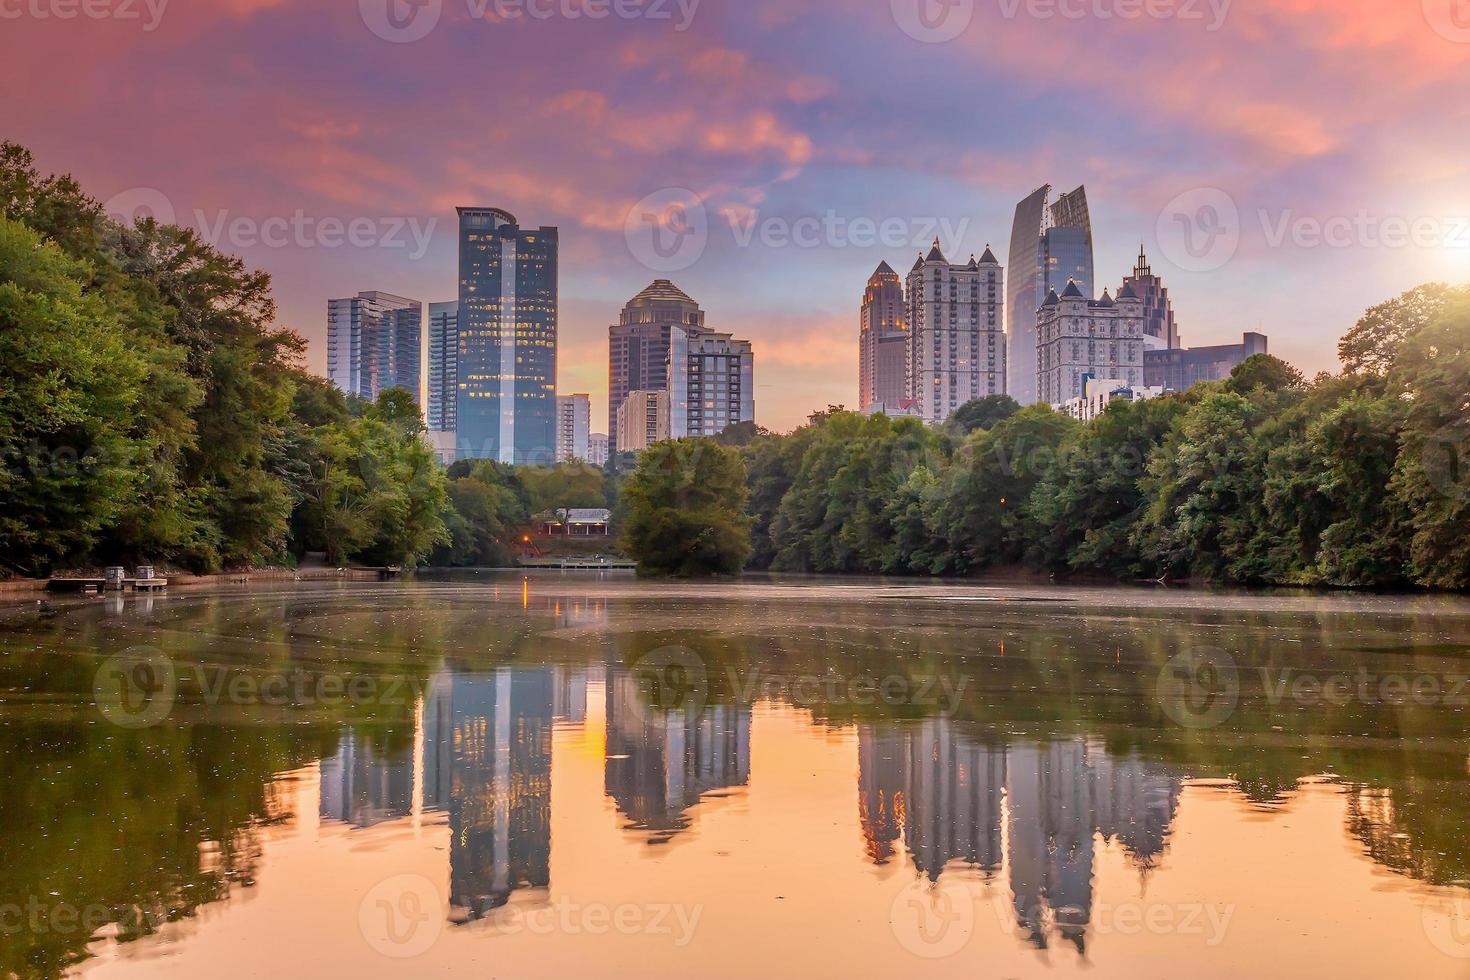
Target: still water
572	775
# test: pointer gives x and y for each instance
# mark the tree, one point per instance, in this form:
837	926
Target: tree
1431	478
981	413
70	380
1086	507
686	510
983	511
1266	373
1371	346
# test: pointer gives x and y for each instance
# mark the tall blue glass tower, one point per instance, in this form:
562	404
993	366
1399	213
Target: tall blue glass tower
1051	244
507	339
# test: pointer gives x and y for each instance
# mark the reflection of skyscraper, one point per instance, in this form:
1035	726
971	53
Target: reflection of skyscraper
507	330
881	764
952	799
660	763
361	787
943	792
1050	245
569	695
500	806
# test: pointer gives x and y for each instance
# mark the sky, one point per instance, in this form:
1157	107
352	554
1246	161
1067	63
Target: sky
1286	163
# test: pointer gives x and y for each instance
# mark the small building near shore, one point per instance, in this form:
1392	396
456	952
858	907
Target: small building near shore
575	522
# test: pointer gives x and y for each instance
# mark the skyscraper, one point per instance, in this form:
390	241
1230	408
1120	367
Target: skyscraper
957	351
507	338
1051	245
373	343
443	366
1160	331
1080	338
883	336
573	427
643	419
638	344
711	382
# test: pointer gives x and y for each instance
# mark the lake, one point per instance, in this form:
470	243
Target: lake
578	774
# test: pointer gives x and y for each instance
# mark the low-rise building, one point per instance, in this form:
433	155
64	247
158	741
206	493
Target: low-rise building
1099	393
1182	368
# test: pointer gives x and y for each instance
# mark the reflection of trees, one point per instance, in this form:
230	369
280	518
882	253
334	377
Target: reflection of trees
104	816
145	825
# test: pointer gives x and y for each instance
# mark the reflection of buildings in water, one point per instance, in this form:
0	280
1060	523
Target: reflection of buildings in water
500	786
660	763
362	788
569	695
483	756
880	789
952	799
944	793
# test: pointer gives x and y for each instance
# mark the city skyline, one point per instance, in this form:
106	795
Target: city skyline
766	114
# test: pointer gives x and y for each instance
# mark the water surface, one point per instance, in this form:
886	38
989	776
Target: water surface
572	775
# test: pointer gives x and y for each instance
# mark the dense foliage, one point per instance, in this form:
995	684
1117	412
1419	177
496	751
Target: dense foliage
151	411
1353	480
685	508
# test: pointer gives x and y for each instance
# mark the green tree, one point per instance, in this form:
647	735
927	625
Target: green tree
1373	343
686	510
70	381
981	413
1431	478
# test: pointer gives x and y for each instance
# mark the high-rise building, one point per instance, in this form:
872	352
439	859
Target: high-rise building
373	343
1051	245
507	338
443	366
1079	338
597	449
711	382
643	419
957	351
883	336
638	344
573	427
1159	328
1181	368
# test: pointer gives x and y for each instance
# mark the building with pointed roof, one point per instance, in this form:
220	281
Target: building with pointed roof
1081	339
957	348
883	336
1160	330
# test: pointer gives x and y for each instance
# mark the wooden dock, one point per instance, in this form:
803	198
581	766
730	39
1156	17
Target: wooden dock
144	584
83	585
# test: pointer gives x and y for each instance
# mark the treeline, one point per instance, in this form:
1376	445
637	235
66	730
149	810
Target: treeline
150	411
1354	480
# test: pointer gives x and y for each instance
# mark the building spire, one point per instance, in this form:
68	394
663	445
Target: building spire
1142	269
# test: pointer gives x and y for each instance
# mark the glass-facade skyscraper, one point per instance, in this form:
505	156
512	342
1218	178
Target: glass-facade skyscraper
638	344
1051	244
443	366
507	339
373	343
